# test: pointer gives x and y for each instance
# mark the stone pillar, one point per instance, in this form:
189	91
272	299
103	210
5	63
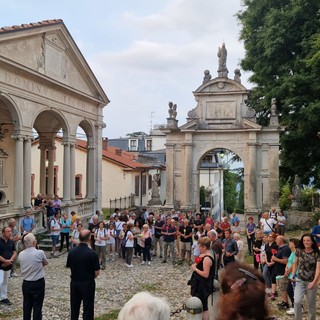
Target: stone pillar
196	188
27	172
169	174
42	177
250	179
51	171
188	174
18	172
66	171
72	171
274	175
91	172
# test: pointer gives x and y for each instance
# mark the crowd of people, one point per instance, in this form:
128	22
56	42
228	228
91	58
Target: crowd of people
288	268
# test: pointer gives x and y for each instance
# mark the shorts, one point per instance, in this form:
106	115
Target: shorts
55	239
186	246
283	283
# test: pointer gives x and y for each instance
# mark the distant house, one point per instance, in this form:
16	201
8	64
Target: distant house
122	174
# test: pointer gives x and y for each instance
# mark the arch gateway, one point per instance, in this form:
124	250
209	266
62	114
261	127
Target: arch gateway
222	120
48	89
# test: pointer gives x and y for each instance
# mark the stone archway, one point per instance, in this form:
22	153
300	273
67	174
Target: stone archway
222	119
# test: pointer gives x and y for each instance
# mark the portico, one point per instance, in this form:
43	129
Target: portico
46	89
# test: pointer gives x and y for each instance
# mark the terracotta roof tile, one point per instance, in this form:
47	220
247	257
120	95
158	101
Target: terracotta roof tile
30	25
126	159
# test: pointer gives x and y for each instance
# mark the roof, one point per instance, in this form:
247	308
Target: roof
31	25
118	156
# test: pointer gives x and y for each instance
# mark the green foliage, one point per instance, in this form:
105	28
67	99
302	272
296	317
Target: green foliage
307	198
282	44
202	195
230	194
285	197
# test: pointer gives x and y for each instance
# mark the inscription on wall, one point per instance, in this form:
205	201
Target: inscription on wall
221	110
41	90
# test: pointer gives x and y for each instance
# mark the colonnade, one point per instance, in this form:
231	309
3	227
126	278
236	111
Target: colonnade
22	169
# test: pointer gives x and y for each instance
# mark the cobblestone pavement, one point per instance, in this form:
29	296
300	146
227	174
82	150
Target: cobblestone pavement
115	286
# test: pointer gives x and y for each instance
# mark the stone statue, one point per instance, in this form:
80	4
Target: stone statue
237	75
155	195
222	55
170	110
273	108
174	114
207	76
296	193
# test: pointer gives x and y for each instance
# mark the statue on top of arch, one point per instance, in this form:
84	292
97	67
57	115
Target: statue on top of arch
222	55
172	110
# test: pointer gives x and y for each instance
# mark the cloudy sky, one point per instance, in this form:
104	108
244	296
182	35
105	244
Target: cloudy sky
144	53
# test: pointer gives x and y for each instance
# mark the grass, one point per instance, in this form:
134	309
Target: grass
111	315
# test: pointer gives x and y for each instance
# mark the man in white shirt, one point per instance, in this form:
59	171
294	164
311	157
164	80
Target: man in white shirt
267	224
32	263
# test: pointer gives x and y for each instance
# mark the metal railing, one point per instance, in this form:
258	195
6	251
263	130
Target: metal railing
122	202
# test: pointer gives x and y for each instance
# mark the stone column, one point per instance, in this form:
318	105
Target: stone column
66	171
169	174
98	161
72	171
18	171
51	171
27	172
42	177
91	172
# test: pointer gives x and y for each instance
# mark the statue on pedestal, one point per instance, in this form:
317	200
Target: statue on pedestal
296	193
222	55
155	195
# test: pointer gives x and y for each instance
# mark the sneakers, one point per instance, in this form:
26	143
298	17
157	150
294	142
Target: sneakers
290	312
130	265
149	263
6	301
143	262
164	261
283	305
13	275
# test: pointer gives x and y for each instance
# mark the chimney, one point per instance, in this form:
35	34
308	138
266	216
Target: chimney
104	143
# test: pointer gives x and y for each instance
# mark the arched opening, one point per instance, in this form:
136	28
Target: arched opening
221	183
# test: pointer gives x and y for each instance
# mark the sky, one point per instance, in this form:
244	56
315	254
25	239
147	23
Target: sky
144	53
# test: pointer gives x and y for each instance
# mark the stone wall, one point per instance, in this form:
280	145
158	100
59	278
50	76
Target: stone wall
298	219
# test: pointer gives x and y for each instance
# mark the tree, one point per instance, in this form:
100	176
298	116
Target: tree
230	194
282	43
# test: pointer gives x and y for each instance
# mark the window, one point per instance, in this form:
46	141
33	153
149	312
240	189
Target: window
54	155
77	185
144	184
133	145
148	145
136	186
149	181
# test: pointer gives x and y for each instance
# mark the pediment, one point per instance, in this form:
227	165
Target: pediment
248	124
50	50
190	125
220	85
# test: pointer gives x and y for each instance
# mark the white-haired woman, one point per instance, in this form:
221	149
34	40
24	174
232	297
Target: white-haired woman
146	240
144	306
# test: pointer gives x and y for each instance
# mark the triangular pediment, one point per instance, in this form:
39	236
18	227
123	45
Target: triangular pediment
190	125
220	85
248	124
49	49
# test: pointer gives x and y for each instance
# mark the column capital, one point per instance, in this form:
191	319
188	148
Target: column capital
91	146
18	137
66	143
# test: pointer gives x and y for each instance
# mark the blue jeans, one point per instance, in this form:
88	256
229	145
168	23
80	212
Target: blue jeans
300	290
267	276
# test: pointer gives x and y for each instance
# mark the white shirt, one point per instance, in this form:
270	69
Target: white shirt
111	239
100	234
55	224
267	224
31	264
